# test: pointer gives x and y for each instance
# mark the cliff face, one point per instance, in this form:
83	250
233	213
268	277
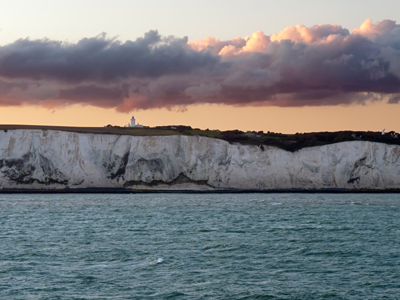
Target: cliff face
41	159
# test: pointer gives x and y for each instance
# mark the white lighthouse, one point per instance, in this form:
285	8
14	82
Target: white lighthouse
133	123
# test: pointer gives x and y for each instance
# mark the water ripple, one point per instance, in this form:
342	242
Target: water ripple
274	246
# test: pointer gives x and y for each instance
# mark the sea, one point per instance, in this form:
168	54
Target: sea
200	246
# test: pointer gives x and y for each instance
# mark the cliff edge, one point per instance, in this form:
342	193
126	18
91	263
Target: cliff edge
60	160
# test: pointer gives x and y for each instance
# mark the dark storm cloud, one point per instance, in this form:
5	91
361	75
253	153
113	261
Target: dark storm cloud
394	99
100	58
300	66
94	95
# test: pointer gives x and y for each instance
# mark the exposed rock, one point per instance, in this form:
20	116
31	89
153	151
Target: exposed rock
36	159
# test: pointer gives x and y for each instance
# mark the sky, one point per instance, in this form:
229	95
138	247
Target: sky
283	66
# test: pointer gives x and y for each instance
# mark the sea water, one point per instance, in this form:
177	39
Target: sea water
200	246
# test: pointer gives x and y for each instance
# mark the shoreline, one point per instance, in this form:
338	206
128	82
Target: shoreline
183	191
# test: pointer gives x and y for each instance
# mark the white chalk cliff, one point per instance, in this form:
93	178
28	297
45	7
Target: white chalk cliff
48	159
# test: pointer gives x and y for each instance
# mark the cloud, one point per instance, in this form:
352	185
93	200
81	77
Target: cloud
299	66
100	58
369	29
394	99
300	33
215	45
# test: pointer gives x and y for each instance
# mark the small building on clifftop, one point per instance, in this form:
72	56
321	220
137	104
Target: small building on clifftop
133	123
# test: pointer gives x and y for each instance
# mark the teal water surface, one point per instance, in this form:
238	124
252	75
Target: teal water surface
191	246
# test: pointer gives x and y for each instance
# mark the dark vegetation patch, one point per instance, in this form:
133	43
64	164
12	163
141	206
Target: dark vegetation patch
353	180
21	170
123	162
289	142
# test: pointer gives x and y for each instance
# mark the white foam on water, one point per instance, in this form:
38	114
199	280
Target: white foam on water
139	265
99	266
147	263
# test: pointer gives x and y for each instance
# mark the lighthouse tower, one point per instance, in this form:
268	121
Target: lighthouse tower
133	122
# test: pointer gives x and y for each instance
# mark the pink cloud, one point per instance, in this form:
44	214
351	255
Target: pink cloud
214	44
300	33
369	29
299	66
257	42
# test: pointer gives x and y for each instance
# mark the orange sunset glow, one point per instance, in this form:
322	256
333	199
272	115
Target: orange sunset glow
372	117
317	78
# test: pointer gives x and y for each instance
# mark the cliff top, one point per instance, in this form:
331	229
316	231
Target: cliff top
289	142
